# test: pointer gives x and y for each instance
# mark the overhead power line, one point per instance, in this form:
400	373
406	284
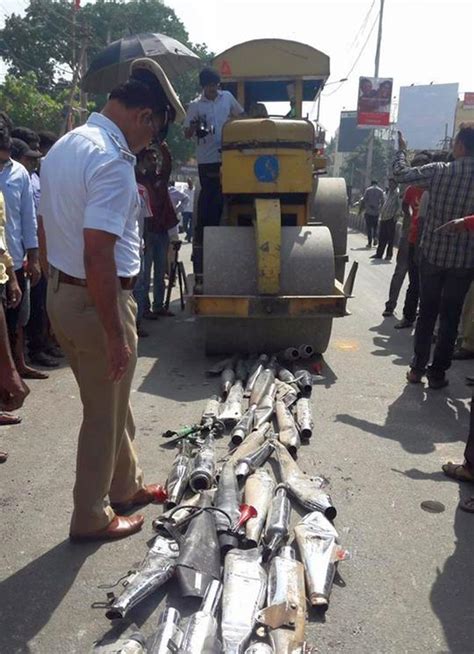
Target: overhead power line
356	61
362	27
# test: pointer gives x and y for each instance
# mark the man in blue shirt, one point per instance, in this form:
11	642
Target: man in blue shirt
205	119
22	240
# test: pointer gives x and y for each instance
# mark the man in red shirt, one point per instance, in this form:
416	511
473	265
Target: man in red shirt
410	207
156	228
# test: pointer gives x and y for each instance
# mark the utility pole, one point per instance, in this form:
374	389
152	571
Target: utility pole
370	148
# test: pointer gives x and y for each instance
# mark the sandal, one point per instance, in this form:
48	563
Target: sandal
33	374
457	471
8	419
467	505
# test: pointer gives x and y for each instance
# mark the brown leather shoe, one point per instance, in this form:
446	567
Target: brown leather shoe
151	493
414	377
120	527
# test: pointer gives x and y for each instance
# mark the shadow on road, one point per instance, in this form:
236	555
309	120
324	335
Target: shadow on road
31	595
393	342
452	594
418	419
178	372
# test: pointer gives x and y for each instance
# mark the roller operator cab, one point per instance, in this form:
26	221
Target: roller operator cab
272	270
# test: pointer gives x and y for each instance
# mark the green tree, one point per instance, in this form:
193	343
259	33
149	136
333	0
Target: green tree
46	40
26	105
354	167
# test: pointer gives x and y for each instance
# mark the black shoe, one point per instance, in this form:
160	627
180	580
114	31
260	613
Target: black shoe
435	382
387	313
150	315
404	324
461	354
376	241
368	246
55	352
41	359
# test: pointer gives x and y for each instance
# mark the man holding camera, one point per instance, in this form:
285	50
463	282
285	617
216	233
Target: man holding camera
205	119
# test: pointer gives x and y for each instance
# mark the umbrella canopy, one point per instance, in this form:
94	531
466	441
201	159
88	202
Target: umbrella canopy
111	66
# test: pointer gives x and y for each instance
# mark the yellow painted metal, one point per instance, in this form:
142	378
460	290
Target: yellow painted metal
272	58
290	141
300	210
268	238
280	306
246	210
237	307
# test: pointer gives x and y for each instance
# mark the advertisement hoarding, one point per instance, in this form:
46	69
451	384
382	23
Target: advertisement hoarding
350	137
469	99
426	114
374	100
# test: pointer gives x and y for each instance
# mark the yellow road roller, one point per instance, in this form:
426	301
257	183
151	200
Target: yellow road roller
273	269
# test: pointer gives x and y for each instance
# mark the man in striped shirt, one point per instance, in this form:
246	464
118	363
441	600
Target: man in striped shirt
446	258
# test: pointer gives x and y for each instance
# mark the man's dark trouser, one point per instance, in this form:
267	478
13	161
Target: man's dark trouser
37	328
413	290
442	291
386	238
188	223
398	277
209	208
469	451
371	224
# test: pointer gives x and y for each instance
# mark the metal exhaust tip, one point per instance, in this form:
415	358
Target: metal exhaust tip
306	434
237	439
114	614
242	470
330	513
170	504
200	483
306	351
319	601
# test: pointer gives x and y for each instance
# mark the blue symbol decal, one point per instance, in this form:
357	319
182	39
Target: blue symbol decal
267	168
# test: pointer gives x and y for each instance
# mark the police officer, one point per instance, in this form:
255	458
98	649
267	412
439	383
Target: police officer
89	206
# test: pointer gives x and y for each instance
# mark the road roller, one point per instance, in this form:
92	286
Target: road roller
273	270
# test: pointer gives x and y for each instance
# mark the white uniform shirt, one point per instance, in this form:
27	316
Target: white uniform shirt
215	113
88	181
188	204
177	197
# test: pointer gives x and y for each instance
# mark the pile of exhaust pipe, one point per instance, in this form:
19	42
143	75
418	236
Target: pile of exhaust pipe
229	536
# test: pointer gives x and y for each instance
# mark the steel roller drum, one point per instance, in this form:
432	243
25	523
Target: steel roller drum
330	207
230	268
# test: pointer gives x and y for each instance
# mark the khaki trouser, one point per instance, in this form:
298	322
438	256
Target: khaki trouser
467	321
106	461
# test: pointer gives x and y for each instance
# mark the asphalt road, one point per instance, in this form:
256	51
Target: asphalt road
408	586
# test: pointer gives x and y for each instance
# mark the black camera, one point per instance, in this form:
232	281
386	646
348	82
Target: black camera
202	128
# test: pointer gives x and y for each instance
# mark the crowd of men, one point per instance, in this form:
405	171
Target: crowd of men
436	250
84	220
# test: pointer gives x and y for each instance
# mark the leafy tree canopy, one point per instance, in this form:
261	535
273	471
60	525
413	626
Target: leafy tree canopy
27	106
354	167
45	42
